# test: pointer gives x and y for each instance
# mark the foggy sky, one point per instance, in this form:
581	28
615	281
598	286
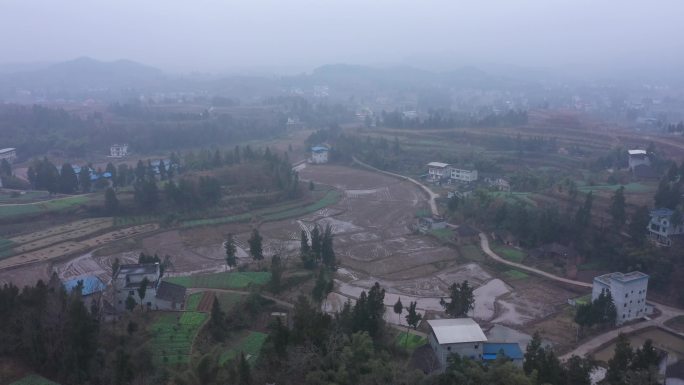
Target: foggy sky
224	35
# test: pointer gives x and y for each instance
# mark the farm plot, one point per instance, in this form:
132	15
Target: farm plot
91	228
226	280
204	301
173	335
65	228
250	345
7	211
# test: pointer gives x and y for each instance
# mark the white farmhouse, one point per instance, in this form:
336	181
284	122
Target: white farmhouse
437	171
319	154
628	292
462	336
158	295
638	157
118	151
462	175
9	154
662	229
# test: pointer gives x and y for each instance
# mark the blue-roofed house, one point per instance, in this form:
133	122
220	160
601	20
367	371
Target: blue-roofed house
510	350
665	226
319	154
92	285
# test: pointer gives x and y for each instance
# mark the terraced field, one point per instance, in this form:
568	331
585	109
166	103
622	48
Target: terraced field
226	280
173	335
34	379
7	211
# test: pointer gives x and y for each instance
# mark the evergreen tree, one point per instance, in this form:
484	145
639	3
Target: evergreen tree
111	202
413	318
84	179
140	170
462	300
231	251
276	273
5	168
638	224
142	290
618	365
327	250
244	374
217	321
255	247
68	181
617	207
111	169
311	186
398	307
316	243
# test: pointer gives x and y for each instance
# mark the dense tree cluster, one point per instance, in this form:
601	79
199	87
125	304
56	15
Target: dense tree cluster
600	311
633	367
37	130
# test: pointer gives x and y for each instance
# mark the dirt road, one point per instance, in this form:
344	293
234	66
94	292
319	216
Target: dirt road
431	195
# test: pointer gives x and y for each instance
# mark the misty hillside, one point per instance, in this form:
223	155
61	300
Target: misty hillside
84	73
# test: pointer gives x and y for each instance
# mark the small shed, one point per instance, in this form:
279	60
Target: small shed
510	350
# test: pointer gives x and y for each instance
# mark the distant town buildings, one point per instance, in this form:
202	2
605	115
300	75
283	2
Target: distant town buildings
319	154
9	154
118	151
628	292
665	227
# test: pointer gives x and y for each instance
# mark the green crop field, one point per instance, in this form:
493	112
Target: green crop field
332	197
443	234
193	301
226	280
134	221
516	274
412	343
629	187
217	221
250	345
34	379
509	253
472	253
42	207
172	336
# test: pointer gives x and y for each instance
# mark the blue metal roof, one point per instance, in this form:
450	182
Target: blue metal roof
510	350
661	212
91	284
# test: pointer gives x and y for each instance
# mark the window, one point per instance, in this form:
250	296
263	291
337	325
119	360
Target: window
449	348
625	305
131	292
626	295
476	346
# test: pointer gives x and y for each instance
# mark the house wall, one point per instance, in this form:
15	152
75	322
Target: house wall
319	157
11	156
638	160
471	350
160	304
122	294
629	297
435	173
463	175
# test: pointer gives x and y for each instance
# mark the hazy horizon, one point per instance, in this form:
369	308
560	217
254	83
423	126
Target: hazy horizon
296	36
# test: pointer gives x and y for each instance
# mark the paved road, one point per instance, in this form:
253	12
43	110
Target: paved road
431	194
667	312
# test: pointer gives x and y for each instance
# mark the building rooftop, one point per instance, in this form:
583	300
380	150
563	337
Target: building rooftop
637	152
319	149
5	150
510	350
91	284
620	277
457	330
662	212
438	164
171	292
138	268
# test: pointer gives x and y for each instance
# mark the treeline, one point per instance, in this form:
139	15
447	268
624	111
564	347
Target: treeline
679	127
450	119
37	130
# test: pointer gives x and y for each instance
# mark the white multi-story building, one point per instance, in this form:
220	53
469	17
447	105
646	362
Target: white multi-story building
661	228
628	292
462	175
118	150
319	154
437	171
9	154
462	336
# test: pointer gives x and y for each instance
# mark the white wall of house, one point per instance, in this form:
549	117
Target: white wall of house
471	350
629	294
319	157
462	175
10	154
118	151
